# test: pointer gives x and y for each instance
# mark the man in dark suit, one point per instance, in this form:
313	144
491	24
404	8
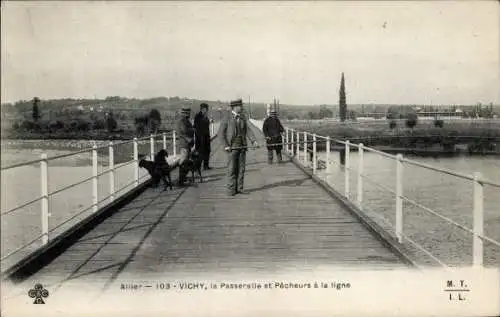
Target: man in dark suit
185	132
234	131
202	135
272	130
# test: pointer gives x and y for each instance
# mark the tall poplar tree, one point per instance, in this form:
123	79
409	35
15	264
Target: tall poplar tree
342	100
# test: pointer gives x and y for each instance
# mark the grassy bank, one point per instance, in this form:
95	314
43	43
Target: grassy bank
472	136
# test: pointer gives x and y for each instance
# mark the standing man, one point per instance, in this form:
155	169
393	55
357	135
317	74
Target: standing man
273	129
234	131
202	135
185	131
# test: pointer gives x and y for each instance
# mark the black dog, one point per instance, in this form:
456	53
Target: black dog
158	169
192	164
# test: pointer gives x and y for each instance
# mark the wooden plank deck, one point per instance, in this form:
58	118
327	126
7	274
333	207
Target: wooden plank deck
286	221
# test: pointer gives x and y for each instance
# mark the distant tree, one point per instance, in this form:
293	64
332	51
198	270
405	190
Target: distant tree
141	123
325	112
36	111
411	120
352	115
438	123
312	115
154	120
111	123
393	124
342	100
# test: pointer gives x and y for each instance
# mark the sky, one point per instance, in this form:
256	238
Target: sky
428	52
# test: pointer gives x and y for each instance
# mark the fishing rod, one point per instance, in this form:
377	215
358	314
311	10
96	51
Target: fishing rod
273	144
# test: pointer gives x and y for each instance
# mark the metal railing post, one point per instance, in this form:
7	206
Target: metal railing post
328	167
287	147
95	196
478	226
315	158
347	170
360	178
136	160
399	198
305	148
298	145
152	146
44	188
111	172
164	141
292	144
174	142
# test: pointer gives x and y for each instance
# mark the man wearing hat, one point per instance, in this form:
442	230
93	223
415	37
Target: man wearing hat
234	131
202	135
185	132
272	130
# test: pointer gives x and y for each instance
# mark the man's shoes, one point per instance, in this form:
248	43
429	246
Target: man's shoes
243	192
231	194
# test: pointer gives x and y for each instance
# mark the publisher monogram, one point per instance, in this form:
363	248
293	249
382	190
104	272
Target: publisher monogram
38	293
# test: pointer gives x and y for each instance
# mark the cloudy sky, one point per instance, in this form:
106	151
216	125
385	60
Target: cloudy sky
391	52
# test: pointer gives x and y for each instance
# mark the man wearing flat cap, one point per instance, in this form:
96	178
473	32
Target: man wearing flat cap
234	131
202	135
185	132
272	130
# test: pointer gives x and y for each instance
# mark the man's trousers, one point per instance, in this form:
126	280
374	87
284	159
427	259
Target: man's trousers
236	170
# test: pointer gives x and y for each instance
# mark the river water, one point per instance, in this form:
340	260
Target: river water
447	195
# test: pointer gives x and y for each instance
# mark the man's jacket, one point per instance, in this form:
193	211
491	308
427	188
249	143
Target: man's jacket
272	127
202	130
228	130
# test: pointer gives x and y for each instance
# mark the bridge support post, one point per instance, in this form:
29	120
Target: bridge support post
287	147
315	157
360	176
297	149
399	198
111	172
152	146
95	196
347	170
174	136
305	148
328	165
45	198
136	162
478	226
164	141
292	145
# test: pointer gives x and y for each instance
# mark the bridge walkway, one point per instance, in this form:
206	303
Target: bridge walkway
285	221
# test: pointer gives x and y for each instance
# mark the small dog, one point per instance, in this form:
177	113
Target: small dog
193	164
158	169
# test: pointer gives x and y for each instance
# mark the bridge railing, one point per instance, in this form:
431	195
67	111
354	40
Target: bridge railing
119	172
304	147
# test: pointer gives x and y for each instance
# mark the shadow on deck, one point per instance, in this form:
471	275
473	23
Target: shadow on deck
285	221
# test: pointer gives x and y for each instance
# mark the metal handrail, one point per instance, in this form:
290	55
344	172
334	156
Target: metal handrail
71	186
88	149
153	139
22	247
399	196
406	160
21	206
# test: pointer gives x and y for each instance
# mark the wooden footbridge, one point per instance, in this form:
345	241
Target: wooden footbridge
290	219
